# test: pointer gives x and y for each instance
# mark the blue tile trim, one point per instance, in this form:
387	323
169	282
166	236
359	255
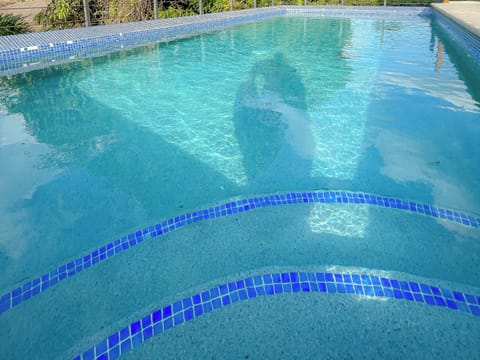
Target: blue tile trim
65	271
466	39
269	284
27	52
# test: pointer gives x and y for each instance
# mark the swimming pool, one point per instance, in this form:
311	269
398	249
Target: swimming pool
326	161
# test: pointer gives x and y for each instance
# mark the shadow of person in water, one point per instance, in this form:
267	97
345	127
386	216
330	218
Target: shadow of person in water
271	121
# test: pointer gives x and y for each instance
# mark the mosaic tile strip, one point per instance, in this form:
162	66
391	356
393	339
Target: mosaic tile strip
385	12
40	284
469	41
189	308
27	52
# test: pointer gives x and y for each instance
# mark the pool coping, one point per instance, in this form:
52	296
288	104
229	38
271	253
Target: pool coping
27	52
464	13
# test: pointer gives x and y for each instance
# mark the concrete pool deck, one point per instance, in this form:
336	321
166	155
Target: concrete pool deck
465	13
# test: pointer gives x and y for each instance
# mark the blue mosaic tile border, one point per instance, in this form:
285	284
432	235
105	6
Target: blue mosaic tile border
189	308
468	40
42	283
360	11
27	52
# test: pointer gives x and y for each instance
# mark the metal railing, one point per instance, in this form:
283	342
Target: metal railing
59	14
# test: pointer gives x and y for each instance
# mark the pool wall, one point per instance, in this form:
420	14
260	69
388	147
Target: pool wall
27	52
469	41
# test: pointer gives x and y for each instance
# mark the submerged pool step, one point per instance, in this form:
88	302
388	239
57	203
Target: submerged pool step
42	283
269	284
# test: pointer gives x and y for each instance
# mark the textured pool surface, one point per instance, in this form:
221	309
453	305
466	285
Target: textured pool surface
300	186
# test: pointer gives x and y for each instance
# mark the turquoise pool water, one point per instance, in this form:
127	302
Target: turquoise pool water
93	150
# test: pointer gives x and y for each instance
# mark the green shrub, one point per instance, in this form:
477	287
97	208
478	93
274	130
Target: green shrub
61	14
13	24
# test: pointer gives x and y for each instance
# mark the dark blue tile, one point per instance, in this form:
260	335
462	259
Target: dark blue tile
114	353
429	300
475	310
418	297
126	346
113	340
397	294
452	304
135	327
198	310
146	321
101	347
89	354
157	316
232	287
196	298
395	284
440	301
177	306
408	296
4	306
425	289
414	286
470	299
124	333
167	311
458	296
329	277
303	277
242	294
294	277
436	291
147	333
404	286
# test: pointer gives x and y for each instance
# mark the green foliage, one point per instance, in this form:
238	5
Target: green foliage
61	14
172	12
13	24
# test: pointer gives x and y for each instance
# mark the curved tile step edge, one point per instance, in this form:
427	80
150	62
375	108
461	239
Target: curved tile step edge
269	284
38	285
